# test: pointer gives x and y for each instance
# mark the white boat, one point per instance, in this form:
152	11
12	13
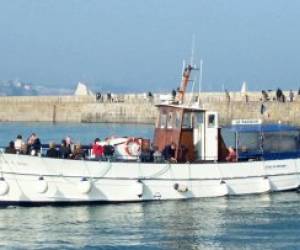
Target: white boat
200	170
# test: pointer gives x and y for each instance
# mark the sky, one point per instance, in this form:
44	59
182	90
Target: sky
139	45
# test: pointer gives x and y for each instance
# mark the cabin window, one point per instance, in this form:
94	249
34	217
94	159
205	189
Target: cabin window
197	119
287	141
177	119
211	120
163	120
170	120
187	120
249	142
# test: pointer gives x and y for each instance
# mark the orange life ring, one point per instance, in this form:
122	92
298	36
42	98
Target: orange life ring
129	146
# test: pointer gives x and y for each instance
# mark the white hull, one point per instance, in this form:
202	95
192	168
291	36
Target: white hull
35	179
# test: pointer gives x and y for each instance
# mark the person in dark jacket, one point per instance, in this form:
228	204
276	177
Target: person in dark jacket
11	148
34	145
52	152
64	150
169	152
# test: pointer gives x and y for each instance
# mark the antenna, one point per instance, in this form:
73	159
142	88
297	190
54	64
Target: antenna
193	49
183	68
200	76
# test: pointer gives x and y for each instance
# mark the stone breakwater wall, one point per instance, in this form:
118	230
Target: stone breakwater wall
139	108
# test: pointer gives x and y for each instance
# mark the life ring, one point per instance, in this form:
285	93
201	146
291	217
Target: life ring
133	146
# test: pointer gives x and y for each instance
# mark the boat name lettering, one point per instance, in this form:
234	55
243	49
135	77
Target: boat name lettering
276	166
22	163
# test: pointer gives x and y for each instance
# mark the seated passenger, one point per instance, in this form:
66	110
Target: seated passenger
169	152
64	150
157	156
97	149
108	151
231	155
52	152
34	145
11	148
19	144
145	154
183	153
79	153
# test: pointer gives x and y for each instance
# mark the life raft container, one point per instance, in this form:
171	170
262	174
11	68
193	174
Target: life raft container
125	148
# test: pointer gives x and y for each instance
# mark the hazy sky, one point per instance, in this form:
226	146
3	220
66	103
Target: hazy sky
140	44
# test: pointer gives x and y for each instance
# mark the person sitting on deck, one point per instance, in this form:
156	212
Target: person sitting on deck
19	144
169	152
52	152
79	153
34	145
97	149
64	150
157	156
11	148
231	157
108	151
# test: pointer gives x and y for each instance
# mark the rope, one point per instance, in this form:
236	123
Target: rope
159	173
13	173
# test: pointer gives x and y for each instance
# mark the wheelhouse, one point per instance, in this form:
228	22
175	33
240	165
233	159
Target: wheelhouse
194	131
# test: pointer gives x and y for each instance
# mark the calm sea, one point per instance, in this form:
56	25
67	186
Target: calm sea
269	221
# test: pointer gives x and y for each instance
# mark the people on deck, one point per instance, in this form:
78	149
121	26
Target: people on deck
10	149
169	152
52	152
232	156
97	150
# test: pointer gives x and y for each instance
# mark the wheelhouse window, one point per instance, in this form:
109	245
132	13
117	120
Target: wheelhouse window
197	119
170	120
211	120
163	120
177	119
187	120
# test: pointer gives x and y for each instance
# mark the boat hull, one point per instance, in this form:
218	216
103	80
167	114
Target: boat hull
29	179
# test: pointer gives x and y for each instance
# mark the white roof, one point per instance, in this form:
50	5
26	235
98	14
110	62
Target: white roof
182	106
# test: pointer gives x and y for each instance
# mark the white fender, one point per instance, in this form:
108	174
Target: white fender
224	189
42	185
85	186
4	188
182	188
266	185
138	188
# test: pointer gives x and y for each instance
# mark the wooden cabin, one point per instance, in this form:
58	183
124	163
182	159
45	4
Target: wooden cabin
195	132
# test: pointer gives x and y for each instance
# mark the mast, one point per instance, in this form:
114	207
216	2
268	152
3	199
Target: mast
186	74
184	82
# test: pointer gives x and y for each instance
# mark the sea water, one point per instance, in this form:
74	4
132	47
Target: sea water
268	221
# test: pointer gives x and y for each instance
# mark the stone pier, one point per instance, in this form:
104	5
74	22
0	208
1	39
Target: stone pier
139	108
